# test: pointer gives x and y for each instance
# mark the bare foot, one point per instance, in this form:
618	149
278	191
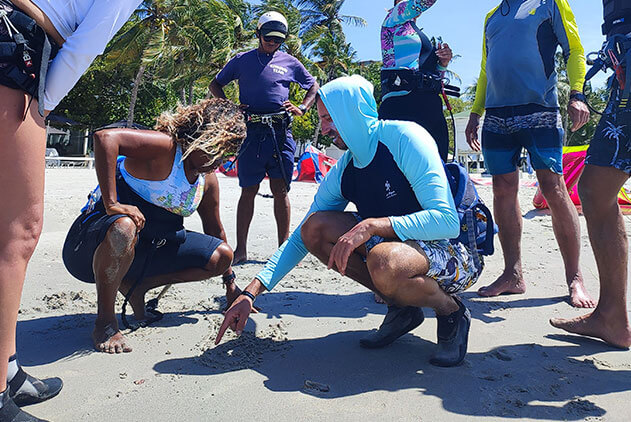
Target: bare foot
613	332
239	257
107	338
578	295
379	299
507	283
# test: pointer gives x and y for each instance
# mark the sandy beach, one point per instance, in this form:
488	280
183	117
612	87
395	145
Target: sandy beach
299	359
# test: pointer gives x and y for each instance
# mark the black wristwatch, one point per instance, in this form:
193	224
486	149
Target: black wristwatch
302	108
579	96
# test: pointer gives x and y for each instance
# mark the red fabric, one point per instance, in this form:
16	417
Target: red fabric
573	166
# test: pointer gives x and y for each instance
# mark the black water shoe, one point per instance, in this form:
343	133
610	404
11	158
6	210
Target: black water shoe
10	412
453	336
38	391
398	321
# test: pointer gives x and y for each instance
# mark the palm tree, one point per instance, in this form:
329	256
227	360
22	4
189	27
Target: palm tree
323	16
142	40
335	54
206	34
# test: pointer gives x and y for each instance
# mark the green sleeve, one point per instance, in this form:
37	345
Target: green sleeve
480	92
576	66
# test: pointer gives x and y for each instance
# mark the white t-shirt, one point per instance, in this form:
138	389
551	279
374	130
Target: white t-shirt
87	26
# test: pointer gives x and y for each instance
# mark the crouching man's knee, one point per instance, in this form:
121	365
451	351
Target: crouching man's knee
312	231
220	260
383	274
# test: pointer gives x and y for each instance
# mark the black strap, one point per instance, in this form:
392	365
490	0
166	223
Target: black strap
426	46
278	155
18	380
155	244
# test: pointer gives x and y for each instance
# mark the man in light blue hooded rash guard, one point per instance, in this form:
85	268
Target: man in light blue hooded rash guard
396	244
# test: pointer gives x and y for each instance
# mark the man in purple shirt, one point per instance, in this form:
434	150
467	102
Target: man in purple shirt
264	76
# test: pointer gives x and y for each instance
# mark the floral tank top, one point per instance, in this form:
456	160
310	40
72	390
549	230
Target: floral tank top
175	193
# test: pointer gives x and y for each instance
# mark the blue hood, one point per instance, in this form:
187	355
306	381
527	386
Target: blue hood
352	106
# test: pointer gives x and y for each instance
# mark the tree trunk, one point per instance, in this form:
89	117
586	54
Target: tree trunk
183	96
134	95
190	92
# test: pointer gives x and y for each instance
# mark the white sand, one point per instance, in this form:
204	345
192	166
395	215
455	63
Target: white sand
299	358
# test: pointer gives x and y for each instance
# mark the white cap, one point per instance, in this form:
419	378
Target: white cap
273	24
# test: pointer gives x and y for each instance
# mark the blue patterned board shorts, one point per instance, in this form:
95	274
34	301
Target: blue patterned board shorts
611	145
506	130
450	264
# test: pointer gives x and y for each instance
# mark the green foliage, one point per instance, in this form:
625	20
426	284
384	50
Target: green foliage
174	48
102	96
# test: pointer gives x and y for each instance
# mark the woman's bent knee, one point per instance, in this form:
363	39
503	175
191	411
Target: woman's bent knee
220	260
121	236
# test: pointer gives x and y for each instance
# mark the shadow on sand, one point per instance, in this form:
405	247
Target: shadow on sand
516	381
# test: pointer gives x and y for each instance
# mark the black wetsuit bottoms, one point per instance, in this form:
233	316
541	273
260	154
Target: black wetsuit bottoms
424	108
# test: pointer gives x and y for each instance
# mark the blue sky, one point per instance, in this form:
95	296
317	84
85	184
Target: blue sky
459	22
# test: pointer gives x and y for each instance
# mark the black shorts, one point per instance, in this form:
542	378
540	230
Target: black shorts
89	230
611	145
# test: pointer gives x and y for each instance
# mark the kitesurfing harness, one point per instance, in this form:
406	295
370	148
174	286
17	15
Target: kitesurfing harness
278	123
615	53
26	52
426	79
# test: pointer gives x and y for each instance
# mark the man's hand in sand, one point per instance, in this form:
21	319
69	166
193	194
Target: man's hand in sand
237	315
471	132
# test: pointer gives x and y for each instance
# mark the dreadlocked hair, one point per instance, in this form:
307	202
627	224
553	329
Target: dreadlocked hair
214	126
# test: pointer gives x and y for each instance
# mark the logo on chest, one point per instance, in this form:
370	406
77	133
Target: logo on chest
278	69
390	192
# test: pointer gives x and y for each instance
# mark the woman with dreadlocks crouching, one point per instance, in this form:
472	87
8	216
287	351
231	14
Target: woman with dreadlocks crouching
130	236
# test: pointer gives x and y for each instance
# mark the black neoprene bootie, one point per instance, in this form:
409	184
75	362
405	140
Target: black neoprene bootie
453	337
398	321
10	412
25	389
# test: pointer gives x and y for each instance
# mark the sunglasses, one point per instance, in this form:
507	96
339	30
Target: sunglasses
273	39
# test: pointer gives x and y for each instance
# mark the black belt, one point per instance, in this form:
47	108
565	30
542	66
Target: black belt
394	80
268	119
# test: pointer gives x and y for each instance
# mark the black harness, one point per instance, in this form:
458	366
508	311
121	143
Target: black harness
617	13
615	54
426	78
26	51
276	122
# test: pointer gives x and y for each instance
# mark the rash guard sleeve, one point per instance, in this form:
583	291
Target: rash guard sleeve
406	11
292	251
566	30
101	23
480	91
416	155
